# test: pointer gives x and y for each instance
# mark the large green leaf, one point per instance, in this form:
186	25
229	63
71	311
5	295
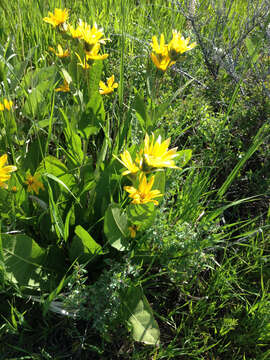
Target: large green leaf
23	259
19	70
142	112
51	165
159	183
94	78
35	101
141	215
140	318
38	85
33	153
107	183
83	246
37	76
73	141
116	227
94	115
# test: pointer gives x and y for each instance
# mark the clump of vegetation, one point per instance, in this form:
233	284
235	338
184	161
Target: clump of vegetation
134	180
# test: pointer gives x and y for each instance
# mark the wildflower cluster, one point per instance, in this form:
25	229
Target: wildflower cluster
165	55
153	156
89	37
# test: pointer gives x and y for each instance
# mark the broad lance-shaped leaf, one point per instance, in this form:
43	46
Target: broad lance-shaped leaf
141	111
142	215
63	181
33	155
160	181
140	318
51	165
116	227
93	117
83	246
40	82
107	183
51	176
23	259
73	140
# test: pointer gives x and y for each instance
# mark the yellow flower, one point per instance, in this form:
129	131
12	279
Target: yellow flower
58	18
61	53
33	183
160	49
126	160
162	62
64	87
160	56
143	194
5	170
83	63
163	55
156	154
94	53
81	29
7	105
14	189
109	88
91	36
75	33
178	45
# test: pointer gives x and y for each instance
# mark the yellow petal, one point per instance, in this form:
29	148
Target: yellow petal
3	160
8	104
110	81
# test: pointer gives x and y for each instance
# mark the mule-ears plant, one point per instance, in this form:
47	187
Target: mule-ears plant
73	193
